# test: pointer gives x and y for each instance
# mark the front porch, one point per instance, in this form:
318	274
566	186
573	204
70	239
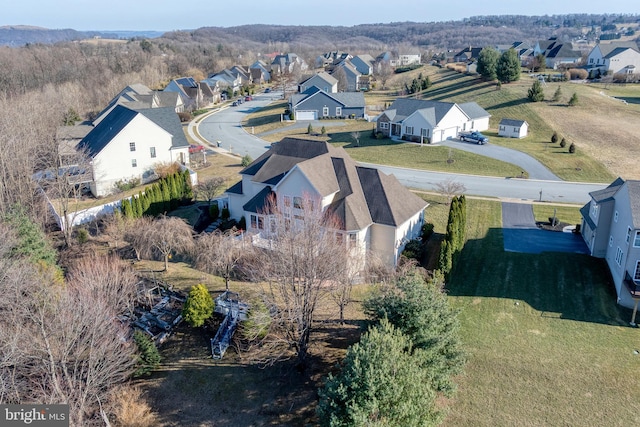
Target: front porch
633	286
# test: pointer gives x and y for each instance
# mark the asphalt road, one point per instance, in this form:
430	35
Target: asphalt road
224	126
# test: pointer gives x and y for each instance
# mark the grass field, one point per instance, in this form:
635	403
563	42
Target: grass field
606	143
547	344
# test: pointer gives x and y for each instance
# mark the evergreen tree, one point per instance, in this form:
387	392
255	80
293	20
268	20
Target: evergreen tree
488	63
554	137
572	148
508	69
127	209
420	309
309	129
173	192
136	207
536	94
380	384
574	100
148	356
187	191
166	195
198	307
557	95
32	242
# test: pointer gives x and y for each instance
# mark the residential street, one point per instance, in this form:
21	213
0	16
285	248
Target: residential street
224	126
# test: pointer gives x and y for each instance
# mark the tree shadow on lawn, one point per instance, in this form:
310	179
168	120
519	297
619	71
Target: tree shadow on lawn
192	389
513	103
573	286
365	140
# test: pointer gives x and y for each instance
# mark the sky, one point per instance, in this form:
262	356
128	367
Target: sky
167	15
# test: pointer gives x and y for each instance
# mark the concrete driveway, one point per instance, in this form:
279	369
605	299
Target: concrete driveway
534	168
520	233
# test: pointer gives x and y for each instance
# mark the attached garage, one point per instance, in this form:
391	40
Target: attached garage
306	115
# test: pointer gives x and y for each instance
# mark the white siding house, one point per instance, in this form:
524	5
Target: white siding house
378	215
511	128
128	144
430	121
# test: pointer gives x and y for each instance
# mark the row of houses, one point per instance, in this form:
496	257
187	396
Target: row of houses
616	57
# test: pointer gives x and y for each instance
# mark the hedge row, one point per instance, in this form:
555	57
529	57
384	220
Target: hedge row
163	196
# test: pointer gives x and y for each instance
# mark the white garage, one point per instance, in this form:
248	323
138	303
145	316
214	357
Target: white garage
306	115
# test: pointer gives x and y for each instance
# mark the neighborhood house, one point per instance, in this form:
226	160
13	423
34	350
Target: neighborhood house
378	214
430	121
611	229
127	145
315	103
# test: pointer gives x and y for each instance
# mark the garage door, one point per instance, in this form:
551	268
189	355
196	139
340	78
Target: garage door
306	115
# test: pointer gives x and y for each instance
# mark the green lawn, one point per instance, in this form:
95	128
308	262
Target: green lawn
547	345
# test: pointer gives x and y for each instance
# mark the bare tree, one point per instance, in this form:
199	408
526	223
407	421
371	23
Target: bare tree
302	262
450	188
169	235
219	253
63	342
356	137
137	234
208	189
384	72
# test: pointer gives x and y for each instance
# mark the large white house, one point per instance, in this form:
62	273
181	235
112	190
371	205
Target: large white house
378	215
430	121
611	230
127	144
613	58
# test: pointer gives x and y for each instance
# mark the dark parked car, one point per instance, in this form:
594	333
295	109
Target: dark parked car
235	104
267	90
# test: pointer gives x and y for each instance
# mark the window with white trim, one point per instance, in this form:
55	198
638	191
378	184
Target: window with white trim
636	240
132	146
325	111
338	111
134	163
619	254
152	151
297	202
384	125
409	130
353	240
287	201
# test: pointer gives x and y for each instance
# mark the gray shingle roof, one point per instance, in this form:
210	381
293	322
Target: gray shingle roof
405	107
607	193
167	119
473	110
362	195
512	122
106	130
607	48
634	201
260	201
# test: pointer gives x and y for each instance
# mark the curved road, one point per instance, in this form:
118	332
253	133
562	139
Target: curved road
224	125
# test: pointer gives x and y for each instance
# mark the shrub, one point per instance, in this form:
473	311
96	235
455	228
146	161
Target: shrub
426	231
309	129
214	212
413	250
572	148
554	137
379	135
148	356
563	143
557	94
185	117
126	184
246	160
578	74
323	130
225	214
82	235
198	307
242	224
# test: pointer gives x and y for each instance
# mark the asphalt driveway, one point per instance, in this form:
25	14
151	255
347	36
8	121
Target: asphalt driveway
520	233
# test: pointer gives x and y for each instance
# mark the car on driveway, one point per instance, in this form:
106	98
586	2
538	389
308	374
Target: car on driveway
476	137
193	148
234	104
